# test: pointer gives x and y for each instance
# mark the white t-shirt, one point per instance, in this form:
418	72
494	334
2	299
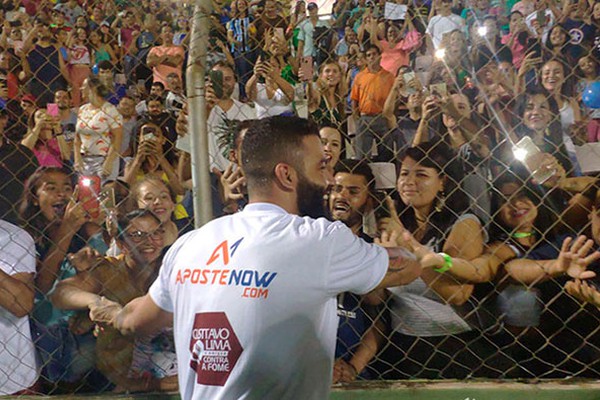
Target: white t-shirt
94	126
438	25
254	302
217	122
18	369
268	107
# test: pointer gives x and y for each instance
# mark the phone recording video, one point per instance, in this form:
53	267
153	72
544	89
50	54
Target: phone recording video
216	78
149	133
89	191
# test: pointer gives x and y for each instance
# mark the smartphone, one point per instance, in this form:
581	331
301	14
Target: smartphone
52	109
107	198
306	66
216	77
177	105
438	89
279	33
149	133
532	157
534	46
541	17
89	194
409	78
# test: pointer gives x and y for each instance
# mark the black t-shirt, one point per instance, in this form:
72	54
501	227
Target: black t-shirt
17	163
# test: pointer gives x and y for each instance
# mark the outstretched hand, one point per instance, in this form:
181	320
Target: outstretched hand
575	257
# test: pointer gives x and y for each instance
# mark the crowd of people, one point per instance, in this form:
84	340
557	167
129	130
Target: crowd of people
472	109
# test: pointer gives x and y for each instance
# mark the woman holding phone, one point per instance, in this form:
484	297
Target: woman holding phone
52	215
327	97
271	94
45	138
150	160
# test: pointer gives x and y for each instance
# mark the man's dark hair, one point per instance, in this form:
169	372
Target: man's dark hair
372	46
357	167
159	84
105	64
271	141
154	97
223	64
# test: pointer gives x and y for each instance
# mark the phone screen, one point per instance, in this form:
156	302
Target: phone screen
89	194
52	109
307	68
216	77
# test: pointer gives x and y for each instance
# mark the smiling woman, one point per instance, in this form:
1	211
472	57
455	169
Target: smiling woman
122	359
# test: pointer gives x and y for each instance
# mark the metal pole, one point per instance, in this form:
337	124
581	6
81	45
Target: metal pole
197	129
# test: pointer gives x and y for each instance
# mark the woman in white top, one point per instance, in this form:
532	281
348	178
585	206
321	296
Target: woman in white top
428	315
98	133
79	62
272	95
554	80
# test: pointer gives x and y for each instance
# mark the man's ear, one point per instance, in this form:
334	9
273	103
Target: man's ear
286	177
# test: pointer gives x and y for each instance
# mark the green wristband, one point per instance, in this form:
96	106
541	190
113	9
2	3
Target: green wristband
447	263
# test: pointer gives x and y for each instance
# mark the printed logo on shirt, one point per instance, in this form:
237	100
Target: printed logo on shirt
255	283
215	348
576	36
222	251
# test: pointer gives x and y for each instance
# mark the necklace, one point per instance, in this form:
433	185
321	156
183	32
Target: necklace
521	235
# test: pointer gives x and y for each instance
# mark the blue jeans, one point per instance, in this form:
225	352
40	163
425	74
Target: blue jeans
374	128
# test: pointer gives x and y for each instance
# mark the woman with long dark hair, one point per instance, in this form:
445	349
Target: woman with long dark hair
55	220
427	313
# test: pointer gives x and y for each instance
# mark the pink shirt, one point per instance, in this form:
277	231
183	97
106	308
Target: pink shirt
517	49
161	71
48	153
395	57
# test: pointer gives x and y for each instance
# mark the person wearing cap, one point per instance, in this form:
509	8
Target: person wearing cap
71	10
307	49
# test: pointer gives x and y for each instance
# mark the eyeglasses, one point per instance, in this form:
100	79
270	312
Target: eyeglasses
140	236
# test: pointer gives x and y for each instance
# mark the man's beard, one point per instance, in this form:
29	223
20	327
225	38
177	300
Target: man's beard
310	198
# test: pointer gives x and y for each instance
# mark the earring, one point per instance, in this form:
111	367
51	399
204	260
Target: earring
441	199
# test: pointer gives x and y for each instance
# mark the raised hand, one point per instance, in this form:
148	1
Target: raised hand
575	257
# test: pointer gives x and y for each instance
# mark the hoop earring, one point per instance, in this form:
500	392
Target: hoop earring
441	200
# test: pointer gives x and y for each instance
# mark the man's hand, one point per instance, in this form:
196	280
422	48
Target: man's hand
104	311
343	372
232	183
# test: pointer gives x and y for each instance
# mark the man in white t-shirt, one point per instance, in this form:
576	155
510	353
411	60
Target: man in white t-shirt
443	22
253	295
225	109
18	367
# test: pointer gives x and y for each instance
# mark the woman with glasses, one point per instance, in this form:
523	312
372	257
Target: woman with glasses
126	361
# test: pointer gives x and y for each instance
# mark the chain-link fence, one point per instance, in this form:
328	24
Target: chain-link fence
470	125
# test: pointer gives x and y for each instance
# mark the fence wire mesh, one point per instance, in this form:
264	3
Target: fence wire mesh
474	122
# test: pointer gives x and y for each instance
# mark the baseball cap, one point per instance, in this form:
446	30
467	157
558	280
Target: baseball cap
29	98
312	5
105	23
